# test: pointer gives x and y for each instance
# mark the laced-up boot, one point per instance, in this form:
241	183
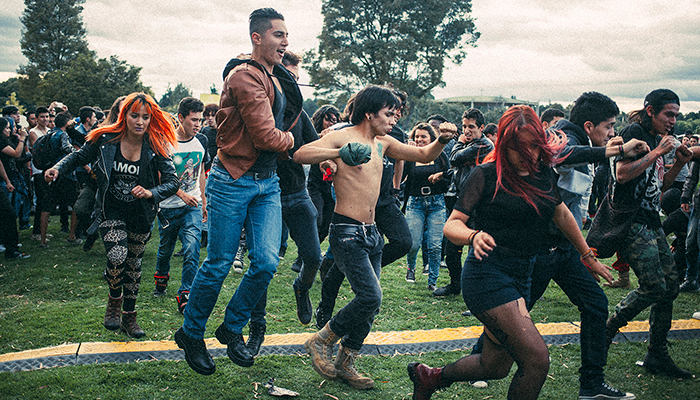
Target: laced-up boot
345	369
320	348
658	361
130	326
622	282
113	313
256	337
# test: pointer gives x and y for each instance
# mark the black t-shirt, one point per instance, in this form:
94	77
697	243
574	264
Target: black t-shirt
509	219
119	202
417	183
647	185
267	160
8	161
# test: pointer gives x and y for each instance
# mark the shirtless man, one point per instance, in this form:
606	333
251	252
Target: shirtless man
356	244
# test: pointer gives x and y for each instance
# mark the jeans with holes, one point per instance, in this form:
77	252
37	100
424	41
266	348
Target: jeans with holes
427	212
186	223
231	205
357	250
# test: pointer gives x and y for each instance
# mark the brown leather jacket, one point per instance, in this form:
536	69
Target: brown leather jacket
245	123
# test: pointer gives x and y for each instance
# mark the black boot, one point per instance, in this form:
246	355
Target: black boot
196	354
236	348
304	308
161	284
658	361
447	290
256	337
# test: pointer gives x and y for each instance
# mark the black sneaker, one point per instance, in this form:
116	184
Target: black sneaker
196	354
89	242
447	290
604	392
161	284
689	287
304	308
662	363
411	276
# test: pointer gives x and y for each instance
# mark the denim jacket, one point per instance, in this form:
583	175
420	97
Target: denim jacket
101	154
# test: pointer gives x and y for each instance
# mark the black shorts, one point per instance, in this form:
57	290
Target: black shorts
63	192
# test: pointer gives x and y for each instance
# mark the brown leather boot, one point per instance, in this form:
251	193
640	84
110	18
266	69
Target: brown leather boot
113	313
426	380
623	282
129	325
345	369
320	348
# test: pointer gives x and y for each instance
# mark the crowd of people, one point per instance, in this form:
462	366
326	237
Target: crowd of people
242	175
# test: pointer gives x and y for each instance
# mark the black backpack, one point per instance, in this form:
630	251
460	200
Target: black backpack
46	151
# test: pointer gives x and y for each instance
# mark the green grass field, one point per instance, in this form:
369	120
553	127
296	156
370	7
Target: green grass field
58	296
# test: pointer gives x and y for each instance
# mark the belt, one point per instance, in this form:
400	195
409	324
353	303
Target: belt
254	175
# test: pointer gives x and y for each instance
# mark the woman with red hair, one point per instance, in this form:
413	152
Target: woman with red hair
131	160
508	201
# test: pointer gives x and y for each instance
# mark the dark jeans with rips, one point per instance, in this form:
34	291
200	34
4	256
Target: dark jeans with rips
392	223
357	250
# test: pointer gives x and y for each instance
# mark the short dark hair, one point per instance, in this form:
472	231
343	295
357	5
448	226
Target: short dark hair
490	129
62	119
436	117
476	115
9	110
290	58
210	109
41	110
99	115
259	20
549	114
29	112
593	106
188	105
372	99
85	112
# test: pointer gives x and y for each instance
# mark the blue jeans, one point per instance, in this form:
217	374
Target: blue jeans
692	247
358	252
231	204
564	266
299	215
426	212
185	223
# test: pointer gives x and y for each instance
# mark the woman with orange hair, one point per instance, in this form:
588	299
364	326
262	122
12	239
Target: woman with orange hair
509	200
131	160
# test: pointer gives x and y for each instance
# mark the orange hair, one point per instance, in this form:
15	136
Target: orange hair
514	122
161	133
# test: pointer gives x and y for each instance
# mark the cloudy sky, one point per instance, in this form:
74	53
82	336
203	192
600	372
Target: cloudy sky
536	50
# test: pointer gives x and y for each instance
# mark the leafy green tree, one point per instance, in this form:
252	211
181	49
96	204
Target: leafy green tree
53	34
400	42
171	98
10	94
88	81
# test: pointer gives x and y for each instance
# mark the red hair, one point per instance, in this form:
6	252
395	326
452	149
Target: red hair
515	122
161	132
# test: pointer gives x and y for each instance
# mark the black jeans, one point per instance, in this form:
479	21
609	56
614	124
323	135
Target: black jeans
392	223
357	250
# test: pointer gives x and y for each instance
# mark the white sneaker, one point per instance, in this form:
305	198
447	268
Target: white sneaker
238	267
479	384
696	315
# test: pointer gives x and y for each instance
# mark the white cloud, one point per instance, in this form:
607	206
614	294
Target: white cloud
537	50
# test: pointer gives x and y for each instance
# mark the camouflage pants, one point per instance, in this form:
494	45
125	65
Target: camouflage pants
650	258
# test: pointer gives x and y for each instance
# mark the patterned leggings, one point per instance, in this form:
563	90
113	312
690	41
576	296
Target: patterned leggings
124	254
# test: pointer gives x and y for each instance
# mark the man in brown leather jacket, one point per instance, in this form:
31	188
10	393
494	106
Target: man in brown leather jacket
260	103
